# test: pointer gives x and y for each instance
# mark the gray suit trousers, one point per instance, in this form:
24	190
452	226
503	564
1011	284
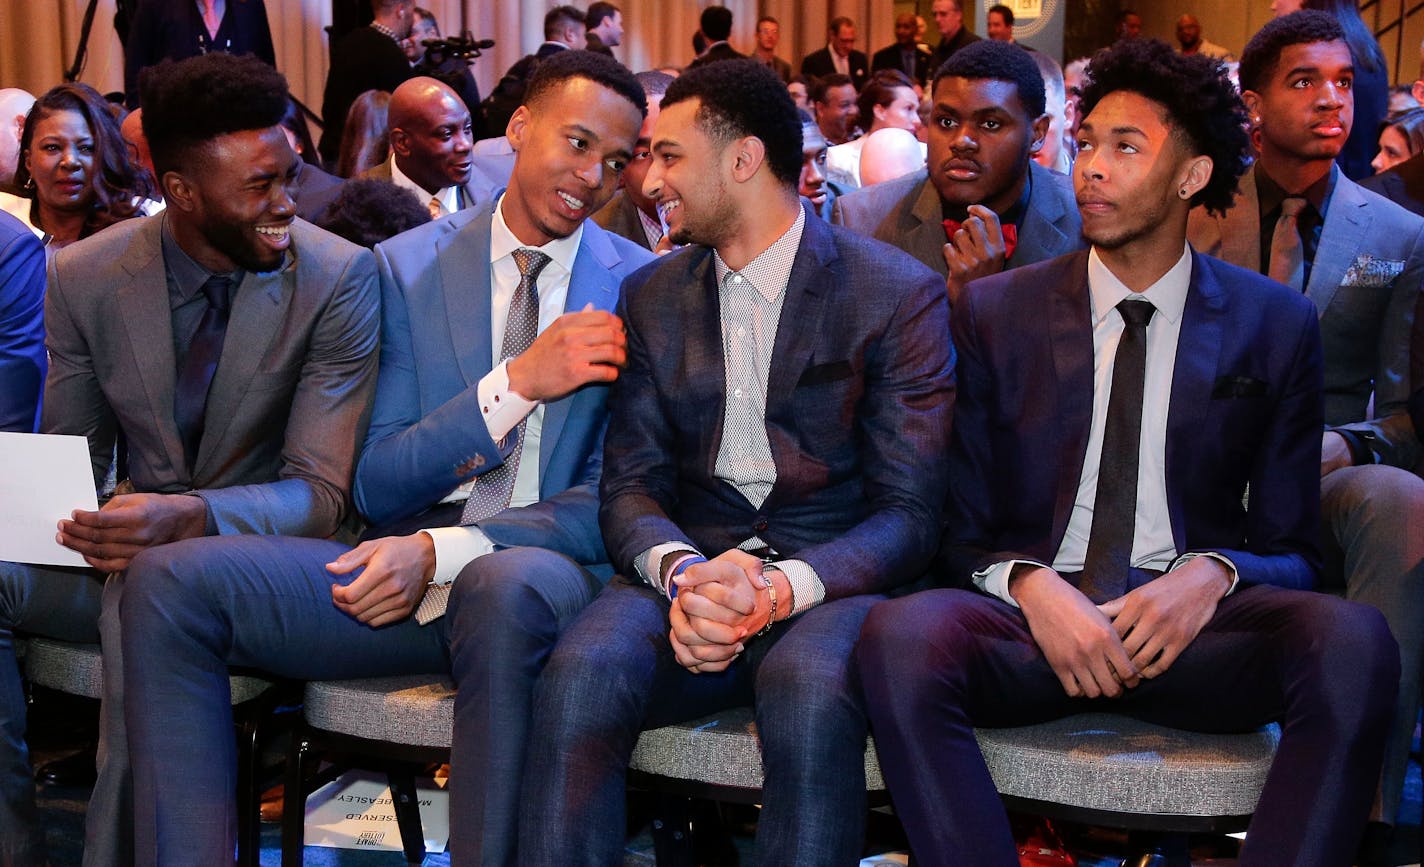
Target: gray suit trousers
1373	523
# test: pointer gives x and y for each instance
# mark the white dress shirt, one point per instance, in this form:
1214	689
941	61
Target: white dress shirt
842	64
1152	545
502	408
448	197
751	300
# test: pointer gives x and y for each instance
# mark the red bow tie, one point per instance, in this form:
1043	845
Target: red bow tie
1011	235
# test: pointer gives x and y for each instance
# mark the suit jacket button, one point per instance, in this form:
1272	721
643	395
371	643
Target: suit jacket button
479	460
760	526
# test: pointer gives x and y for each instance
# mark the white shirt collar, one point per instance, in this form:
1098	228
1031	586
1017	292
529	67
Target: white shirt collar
449	197
1168	294
563	251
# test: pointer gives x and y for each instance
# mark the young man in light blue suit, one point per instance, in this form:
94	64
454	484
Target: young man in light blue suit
498	345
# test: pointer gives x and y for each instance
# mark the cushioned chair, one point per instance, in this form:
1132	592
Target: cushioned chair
394	724
1101	769
77	669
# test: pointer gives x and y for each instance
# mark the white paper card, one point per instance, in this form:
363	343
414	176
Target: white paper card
43	478
354	811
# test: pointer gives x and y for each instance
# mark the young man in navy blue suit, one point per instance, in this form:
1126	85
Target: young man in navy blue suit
1102	450
775	462
498	342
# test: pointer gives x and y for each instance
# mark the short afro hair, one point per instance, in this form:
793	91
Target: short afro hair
367	211
1003	61
1263	52
743	98
716	23
598	68
1198	100
188	103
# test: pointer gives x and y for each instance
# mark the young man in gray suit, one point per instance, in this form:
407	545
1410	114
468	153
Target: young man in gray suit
1360	258
235	348
982	205
480	472
763	484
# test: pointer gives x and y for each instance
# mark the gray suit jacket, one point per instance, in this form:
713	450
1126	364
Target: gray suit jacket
1364	282
290	401
620	216
906	212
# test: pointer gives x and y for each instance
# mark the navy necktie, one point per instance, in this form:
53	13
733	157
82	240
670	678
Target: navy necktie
1109	558
195	375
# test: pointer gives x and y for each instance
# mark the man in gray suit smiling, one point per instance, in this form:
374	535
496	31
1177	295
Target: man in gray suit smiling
983	205
1359	258
233	345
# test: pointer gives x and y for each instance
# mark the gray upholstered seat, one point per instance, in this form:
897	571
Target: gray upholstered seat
719	750
78	670
1116	764
418	710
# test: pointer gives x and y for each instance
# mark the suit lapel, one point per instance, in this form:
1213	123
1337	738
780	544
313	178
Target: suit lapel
148	324
1041	233
465	285
1346	222
1193	375
259	309
797	333
1071	334
926	240
591	282
704	368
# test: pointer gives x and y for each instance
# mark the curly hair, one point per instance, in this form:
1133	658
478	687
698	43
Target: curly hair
598	68
743	98
1197	97
999	60
880	90
117	184
1263	51
188	103
368	211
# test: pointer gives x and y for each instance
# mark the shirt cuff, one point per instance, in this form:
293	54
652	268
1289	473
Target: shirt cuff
994	580
1220	558
503	408
648	564
807	591
456	548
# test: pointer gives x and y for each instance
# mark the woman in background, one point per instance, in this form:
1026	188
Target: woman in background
887	101
75	166
366	139
1401	137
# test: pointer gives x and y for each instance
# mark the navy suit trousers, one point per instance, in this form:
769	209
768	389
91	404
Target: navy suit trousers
613	674
193	608
937	664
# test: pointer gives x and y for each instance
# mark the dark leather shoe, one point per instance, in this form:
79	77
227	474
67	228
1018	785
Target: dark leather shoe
73	771
1375	845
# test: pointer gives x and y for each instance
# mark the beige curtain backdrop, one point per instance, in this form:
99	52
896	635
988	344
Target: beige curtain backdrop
38	37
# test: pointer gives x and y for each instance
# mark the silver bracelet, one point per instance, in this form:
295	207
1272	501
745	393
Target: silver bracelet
771	617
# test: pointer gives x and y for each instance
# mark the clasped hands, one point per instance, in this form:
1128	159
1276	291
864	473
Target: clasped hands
127	524
1102	650
719	605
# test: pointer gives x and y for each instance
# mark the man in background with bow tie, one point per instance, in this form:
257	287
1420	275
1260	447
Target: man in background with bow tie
497	347
982	205
1359	258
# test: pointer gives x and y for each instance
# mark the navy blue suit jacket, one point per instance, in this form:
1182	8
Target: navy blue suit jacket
859	400
22	352
427	433
1246	409
174	28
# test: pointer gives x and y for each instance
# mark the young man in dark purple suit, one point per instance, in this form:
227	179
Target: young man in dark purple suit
1104	448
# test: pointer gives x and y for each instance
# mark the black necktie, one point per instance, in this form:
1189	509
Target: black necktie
1109	558
196	373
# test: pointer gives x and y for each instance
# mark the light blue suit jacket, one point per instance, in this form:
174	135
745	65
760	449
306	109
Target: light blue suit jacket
427	432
